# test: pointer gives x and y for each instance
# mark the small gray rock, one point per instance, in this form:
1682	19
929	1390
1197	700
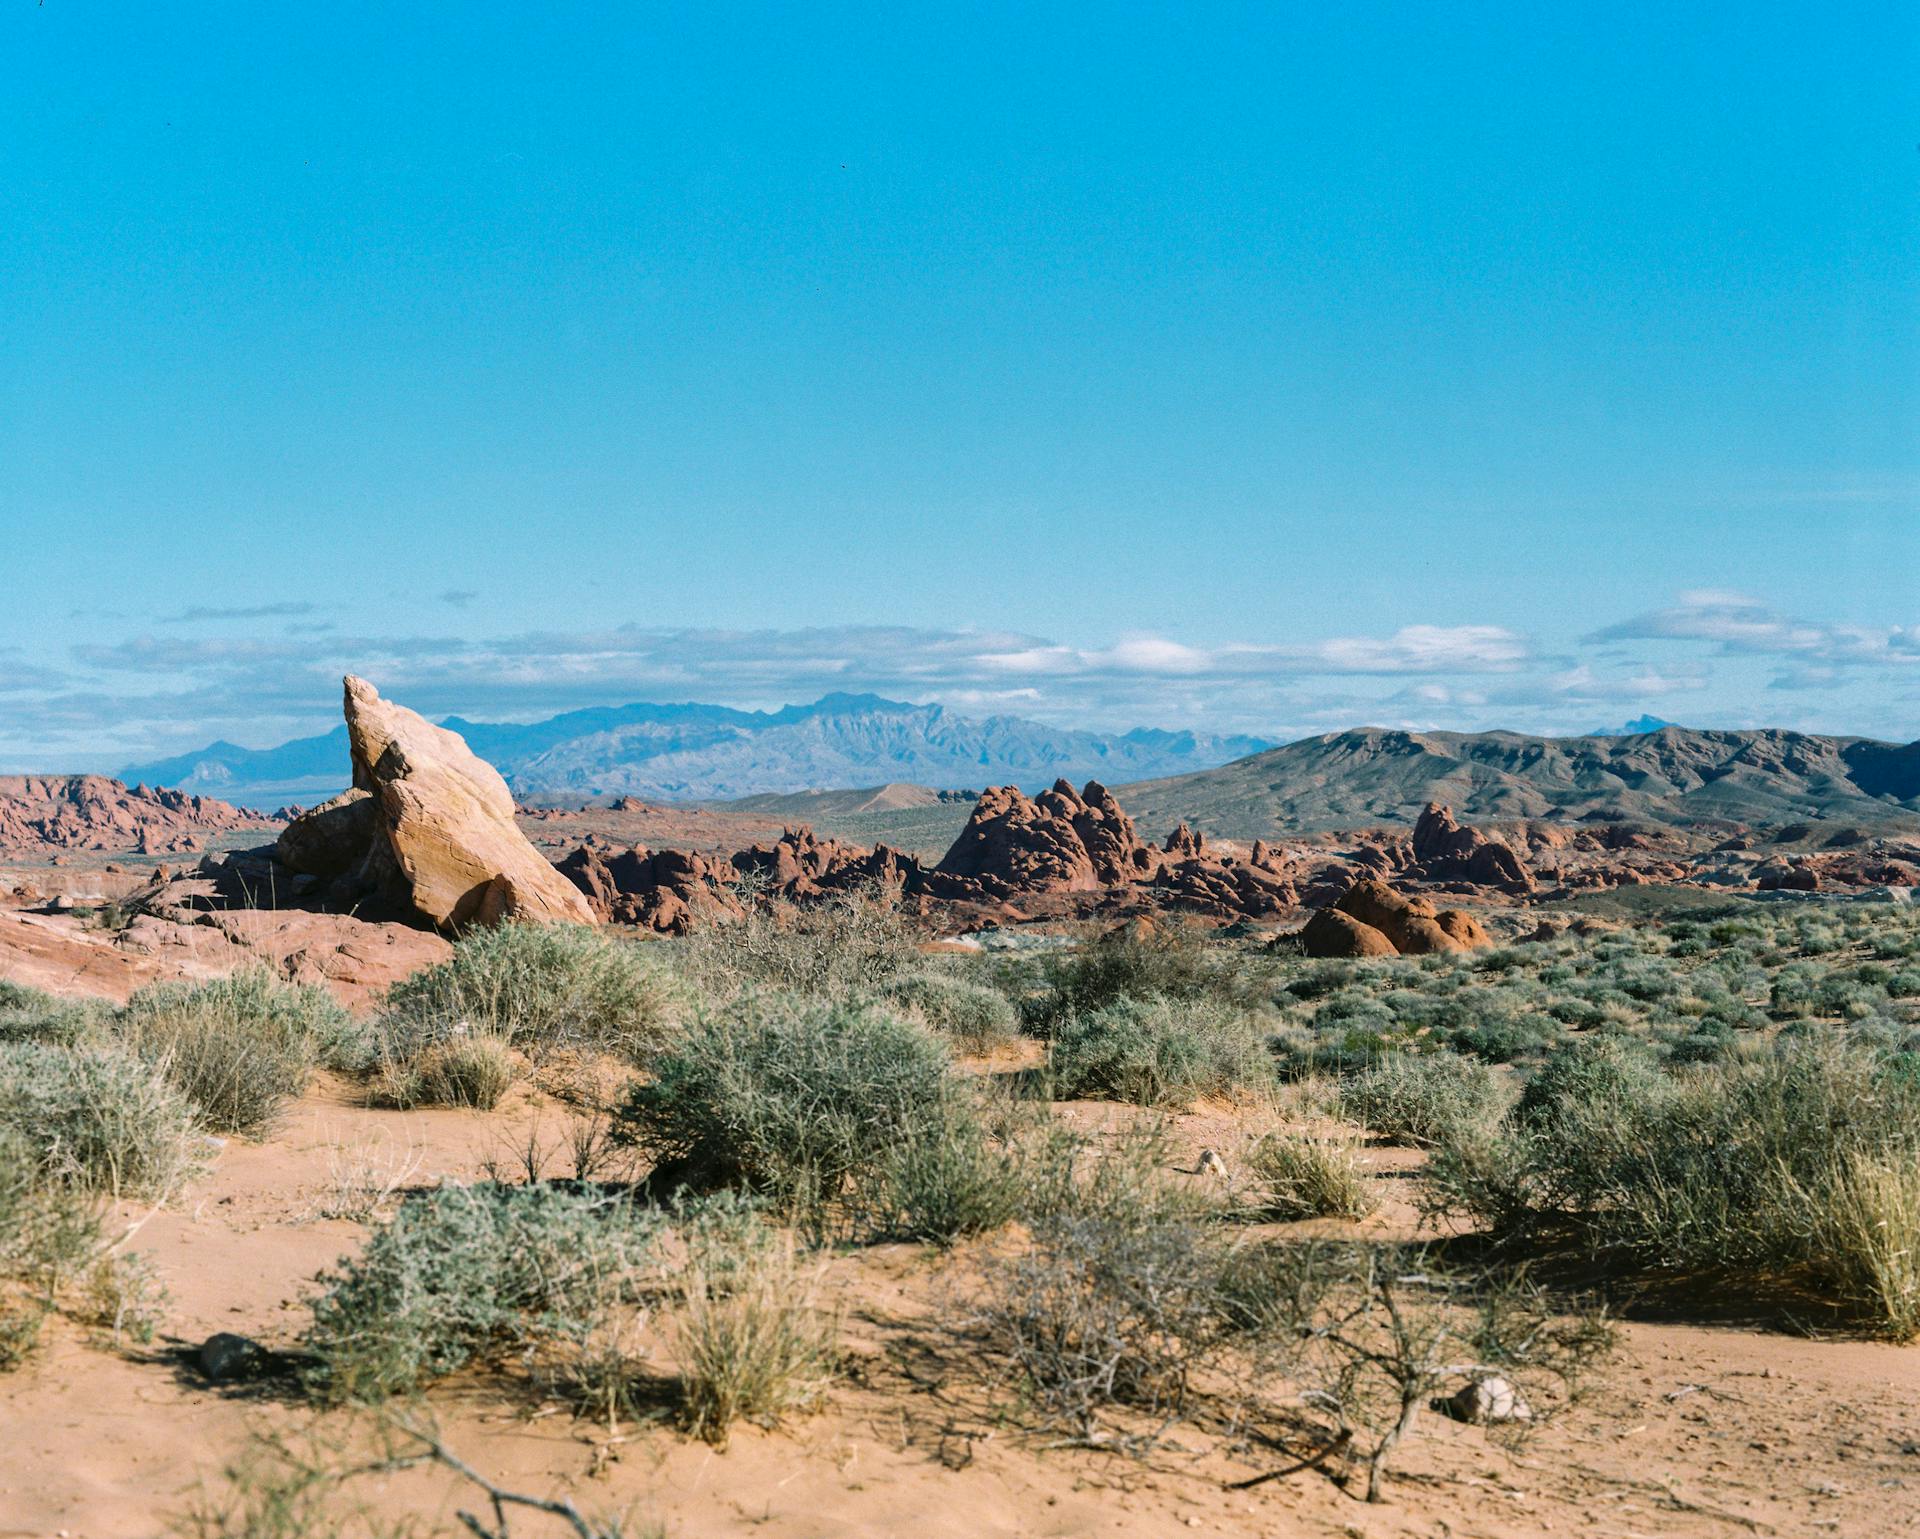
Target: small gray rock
226	1357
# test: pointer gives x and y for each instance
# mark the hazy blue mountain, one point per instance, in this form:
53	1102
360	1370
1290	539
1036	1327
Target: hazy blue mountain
1633	728
695	752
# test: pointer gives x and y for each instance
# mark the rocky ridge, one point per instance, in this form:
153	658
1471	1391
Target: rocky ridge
92	812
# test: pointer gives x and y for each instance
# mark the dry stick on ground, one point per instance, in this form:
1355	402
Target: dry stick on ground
431	1450
1312	1461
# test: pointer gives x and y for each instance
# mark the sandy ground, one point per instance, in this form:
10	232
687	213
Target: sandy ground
1693	1430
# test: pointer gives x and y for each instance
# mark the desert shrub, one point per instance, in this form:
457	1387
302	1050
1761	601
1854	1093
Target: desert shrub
1165	963
466	1271
854	945
1788	1164
1304	1177
537	989
1160	1052
28	1014
1125	1179
239	1047
1374	1333
977	1018
1420	1098
96	1119
1102	1311
752	1339
48	1234
474	1071
948	1177
1599	1071
800	1100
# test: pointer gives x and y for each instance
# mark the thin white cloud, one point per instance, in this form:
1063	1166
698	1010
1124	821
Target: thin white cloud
1737	622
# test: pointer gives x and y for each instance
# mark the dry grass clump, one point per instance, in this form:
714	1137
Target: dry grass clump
1300	1176
239	1047
752	1341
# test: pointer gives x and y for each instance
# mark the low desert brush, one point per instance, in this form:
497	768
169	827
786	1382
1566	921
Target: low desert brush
802	1101
1297	1176
96	1119
1160	1052
239	1047
466	1272
752	1340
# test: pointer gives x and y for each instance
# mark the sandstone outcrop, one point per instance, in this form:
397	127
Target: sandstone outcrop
428	829
1446	851
39	813
1330	933
1371	919
1061	841
355	959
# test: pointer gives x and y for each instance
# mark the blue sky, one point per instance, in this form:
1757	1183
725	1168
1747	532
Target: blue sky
1269	368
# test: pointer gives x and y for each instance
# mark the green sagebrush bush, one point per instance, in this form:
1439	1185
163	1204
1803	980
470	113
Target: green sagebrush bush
1167	963
974	1016
31	1015
1420	1098
801	1100
521	988
1804	1160
96	1118
464	1272
1160	1052
238	1047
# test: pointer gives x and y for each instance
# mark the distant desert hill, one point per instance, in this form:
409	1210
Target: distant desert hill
1372	776
895	796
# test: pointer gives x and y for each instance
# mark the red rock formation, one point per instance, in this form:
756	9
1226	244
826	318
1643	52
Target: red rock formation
1404	926
1445	850
1330	933
39	813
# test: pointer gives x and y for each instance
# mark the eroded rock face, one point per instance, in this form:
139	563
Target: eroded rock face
1446	851
1012	845
91	812
1371	915
428	829
1330	933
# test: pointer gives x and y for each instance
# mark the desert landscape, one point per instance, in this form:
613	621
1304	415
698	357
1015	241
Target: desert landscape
959	772
421	1148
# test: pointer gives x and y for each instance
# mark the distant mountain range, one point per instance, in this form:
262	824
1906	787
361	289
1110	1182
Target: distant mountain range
710	752
1373	776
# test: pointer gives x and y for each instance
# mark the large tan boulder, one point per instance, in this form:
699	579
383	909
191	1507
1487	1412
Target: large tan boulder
427	828
448	820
